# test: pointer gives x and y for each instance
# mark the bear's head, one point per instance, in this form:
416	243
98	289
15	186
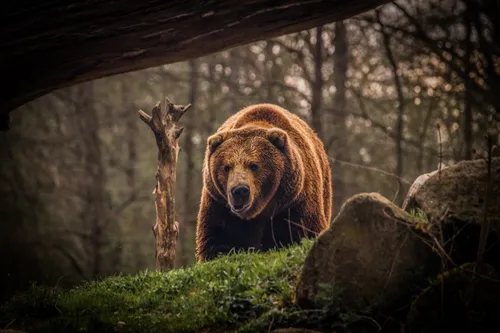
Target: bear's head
246	167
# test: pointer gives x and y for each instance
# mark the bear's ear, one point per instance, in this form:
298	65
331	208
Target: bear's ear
214	141
278	137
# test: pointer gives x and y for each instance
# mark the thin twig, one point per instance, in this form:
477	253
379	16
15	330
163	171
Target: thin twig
301	225
485	225
335	160
436	243
440	220
9	323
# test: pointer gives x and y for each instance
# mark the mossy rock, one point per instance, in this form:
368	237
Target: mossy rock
369	256
454	201
460	300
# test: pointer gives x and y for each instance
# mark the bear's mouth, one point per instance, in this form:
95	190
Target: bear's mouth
240	210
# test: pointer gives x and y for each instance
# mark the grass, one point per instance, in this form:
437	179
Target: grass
249	292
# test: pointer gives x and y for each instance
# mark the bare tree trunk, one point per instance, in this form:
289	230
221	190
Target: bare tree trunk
132	130
163	124
165	80
95	211
233	84
271	72
340	64
317	85
401	108
423	135
131	137
467	119
210	114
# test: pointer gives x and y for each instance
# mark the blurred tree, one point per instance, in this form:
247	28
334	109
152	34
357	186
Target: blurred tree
94	180
338	139
398	139
317	83
186	246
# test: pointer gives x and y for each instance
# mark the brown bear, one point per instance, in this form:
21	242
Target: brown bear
266	183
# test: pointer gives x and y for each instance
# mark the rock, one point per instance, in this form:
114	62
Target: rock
417	184
454	200
371	253
460	300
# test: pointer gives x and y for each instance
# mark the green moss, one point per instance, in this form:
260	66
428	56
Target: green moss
226	293
245	292
419	214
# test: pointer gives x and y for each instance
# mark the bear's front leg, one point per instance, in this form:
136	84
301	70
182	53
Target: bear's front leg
219	231
290	227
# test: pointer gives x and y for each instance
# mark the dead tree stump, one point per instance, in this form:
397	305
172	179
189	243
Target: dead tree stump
164	124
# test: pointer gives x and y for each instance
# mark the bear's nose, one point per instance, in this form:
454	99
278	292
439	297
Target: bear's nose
240	192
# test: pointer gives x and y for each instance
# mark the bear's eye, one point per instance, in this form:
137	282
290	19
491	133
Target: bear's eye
254	167
227	168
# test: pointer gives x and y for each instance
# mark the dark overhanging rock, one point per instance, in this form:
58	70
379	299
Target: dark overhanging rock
50	45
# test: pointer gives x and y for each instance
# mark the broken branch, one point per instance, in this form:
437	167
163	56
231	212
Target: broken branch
163	122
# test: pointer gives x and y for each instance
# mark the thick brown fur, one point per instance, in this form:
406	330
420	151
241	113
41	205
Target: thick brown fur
286	168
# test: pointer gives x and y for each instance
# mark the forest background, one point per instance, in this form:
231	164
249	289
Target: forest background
392	93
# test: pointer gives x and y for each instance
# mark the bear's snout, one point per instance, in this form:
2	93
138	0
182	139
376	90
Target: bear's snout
240	196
